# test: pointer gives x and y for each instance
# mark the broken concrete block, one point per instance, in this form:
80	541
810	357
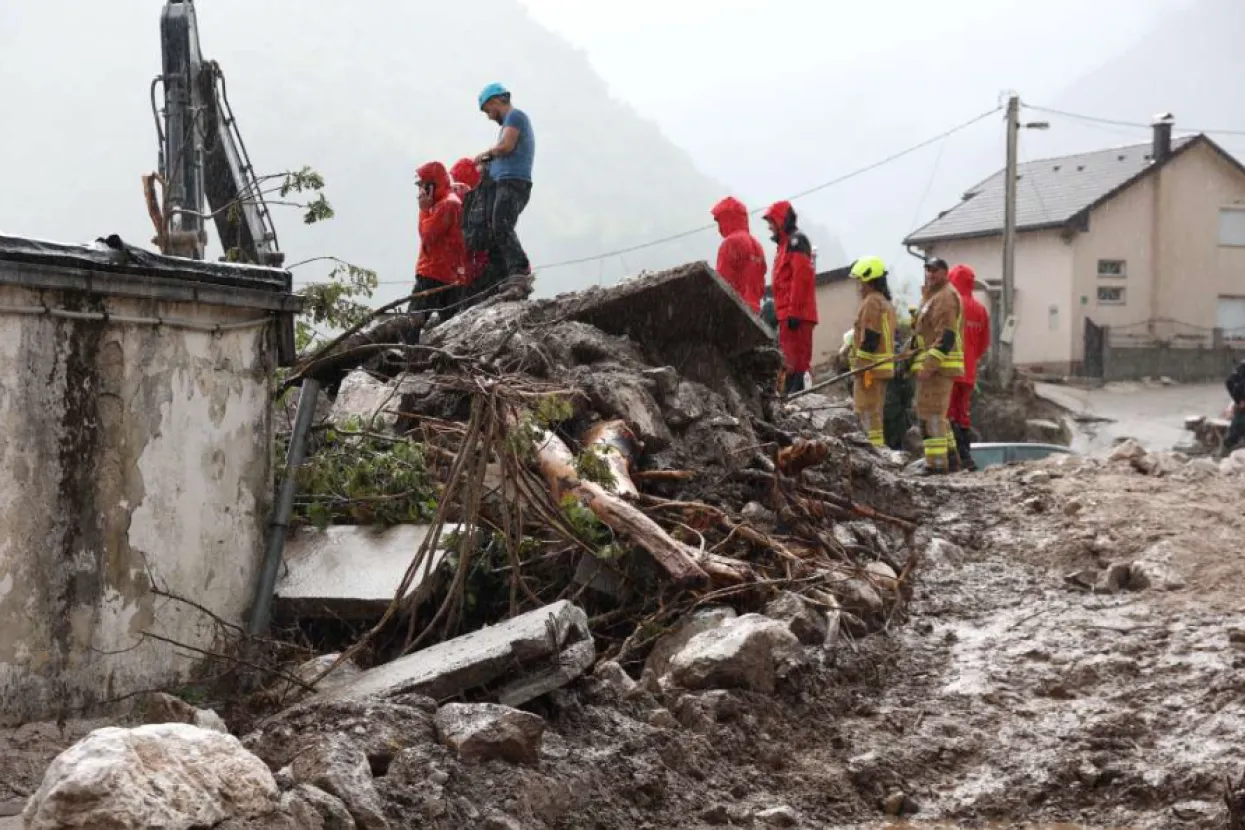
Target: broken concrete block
803	620
654	310
352	571
171	775
749	652
311	671
542	650
489	732
338	766
699	621
314	809
373	403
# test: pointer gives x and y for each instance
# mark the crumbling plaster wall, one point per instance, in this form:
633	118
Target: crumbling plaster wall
133	459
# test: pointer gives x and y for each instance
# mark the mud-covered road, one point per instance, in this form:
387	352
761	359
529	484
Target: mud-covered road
1075	659
1020	695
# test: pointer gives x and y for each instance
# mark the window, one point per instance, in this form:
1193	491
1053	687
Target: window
1231	317
1232	226
1112	268
1110	295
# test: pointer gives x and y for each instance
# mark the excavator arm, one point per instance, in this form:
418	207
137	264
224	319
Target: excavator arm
202	155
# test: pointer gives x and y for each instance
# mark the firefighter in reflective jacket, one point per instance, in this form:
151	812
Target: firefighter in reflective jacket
939	361
873	342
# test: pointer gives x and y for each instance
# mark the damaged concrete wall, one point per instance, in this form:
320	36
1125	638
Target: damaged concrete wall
133	456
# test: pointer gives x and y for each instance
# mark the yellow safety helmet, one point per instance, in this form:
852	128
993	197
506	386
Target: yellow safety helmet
868	269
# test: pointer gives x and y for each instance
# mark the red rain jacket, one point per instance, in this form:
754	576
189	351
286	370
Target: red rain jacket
795	283
976	323
442	253
741	260
466	177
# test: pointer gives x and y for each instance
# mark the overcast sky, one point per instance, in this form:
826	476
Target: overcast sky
769	98
758	91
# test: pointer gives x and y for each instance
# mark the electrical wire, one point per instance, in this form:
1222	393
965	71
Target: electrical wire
1116	123
620	252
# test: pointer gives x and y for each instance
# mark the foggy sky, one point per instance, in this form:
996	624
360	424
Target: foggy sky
767	98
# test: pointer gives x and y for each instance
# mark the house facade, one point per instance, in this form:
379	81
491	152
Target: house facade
1148	240
837	299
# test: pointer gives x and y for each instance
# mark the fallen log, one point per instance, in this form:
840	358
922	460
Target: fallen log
557	465
616	445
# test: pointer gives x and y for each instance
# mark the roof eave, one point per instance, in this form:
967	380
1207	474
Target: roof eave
919	241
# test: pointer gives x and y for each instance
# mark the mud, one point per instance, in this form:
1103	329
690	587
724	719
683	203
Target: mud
1011	698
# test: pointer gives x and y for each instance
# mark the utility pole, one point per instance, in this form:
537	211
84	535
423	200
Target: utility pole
1008	326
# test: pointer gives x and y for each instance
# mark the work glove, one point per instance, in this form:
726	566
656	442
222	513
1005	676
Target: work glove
793	323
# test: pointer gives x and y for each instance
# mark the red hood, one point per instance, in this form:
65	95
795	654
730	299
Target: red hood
465	172
783	215
434	171
731	216
964	280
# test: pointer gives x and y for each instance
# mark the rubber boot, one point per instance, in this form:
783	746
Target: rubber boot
965	443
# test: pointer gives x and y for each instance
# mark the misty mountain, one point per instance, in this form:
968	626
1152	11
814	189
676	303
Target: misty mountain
364	93
1189	65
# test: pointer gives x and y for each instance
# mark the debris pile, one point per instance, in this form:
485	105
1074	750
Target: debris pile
598	511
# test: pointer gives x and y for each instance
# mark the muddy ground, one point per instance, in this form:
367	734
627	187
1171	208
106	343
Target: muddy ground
1012	697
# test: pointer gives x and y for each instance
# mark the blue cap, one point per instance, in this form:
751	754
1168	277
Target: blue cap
492	91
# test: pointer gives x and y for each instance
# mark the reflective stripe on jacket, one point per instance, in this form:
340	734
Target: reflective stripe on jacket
942	312
878	315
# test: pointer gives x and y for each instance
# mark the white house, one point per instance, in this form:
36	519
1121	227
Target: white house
1134	238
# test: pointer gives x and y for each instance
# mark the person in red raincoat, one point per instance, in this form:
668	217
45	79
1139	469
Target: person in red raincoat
741	260
466	176
795	293
441	250
976	344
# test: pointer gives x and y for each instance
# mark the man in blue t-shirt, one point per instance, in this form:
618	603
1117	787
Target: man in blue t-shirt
510	168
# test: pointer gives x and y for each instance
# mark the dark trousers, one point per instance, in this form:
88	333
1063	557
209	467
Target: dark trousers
510	197
445	303
795	383
1236	431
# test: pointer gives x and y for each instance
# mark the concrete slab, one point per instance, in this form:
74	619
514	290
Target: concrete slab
514	661
351	572
691	303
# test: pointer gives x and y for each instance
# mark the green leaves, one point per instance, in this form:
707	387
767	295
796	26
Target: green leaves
356	477
334	303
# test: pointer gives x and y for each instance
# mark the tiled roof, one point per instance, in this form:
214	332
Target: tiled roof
1049	193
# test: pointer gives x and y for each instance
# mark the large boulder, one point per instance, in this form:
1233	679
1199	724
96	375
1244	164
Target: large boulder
490	732
750	652
372	402
697	622
382	728
173	776
336	765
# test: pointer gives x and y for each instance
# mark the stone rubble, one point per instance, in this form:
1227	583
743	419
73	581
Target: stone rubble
174	776
489	732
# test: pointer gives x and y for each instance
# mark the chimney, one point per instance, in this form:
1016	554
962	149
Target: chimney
1162	126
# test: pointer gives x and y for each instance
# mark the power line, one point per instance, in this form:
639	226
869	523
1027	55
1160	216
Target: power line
1133	124
815	189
